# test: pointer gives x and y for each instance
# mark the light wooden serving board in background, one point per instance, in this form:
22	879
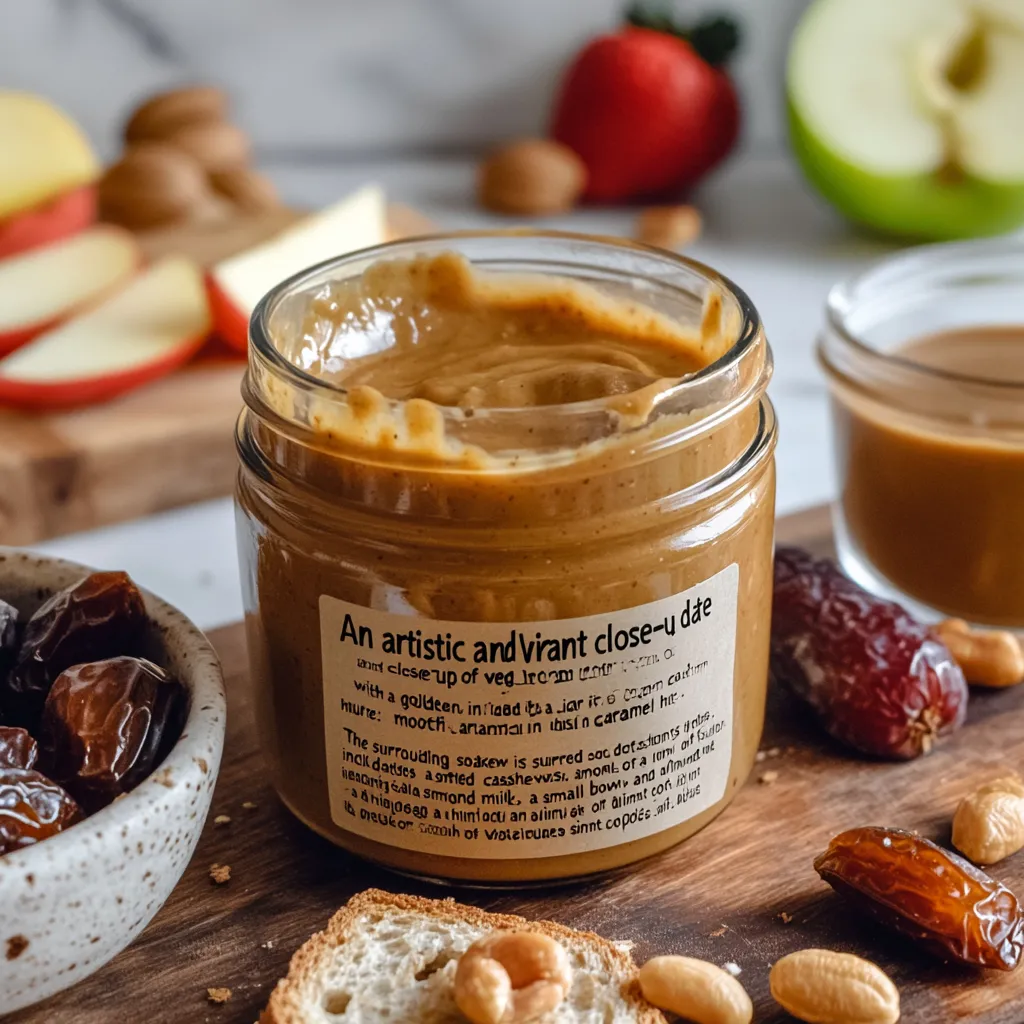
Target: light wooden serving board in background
166	445
720	896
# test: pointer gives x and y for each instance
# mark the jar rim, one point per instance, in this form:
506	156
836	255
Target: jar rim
988	255
262	346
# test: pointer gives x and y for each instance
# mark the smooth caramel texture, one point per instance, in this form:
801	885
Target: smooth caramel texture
501	540
937	507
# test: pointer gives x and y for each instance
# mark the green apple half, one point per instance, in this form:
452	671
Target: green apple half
908	115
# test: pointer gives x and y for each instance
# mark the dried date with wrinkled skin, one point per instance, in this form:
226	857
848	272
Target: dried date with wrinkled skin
17	748
941	901
99	617
878	680
107	724
32	808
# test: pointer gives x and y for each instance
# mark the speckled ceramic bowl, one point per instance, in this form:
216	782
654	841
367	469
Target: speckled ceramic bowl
71	903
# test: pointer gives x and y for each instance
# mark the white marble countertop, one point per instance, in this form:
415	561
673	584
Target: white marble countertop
763	229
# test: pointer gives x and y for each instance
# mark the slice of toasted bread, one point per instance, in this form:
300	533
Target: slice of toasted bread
388	959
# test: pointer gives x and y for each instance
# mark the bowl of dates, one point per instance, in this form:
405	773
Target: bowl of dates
111	728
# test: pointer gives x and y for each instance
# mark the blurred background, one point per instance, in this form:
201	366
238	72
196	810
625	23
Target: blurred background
328	80
327	96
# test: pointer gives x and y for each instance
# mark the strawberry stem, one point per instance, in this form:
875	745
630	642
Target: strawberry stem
715	38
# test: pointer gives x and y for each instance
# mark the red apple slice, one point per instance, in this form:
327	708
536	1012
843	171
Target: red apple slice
39	289
158	321
236	284
56	219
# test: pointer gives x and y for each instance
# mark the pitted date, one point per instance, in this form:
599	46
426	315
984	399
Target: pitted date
878	680
99	617
107	724
32	808
928	894
17	748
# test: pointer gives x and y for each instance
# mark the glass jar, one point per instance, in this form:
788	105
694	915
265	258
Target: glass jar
544	661
929	441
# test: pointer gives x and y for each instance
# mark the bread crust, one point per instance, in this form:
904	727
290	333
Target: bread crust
285	1005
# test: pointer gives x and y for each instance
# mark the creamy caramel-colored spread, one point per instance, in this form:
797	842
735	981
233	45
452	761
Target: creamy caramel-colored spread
935	503
501	452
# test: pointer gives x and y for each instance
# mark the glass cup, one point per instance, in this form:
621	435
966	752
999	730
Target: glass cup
930	453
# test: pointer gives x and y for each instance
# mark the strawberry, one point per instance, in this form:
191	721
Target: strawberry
650	109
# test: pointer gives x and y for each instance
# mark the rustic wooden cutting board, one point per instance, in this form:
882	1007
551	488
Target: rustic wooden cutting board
721	896
166	445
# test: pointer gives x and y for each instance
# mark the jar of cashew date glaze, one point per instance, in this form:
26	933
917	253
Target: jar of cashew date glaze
505	511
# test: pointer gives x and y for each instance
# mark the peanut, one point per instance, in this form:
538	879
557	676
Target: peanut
989	824
822	987
988	657
511	978
669	227
696	990
531	177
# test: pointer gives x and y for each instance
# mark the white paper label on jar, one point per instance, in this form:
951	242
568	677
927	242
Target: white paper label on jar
530	739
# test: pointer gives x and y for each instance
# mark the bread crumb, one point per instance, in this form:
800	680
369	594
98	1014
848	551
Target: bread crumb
218	995
767	778
269	944
719	932
760	756
220	873
222	819
248	806
734	969
785	918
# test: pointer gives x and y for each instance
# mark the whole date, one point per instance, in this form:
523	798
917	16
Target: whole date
877	679
17	748
928	894
32	808
100	616
107	724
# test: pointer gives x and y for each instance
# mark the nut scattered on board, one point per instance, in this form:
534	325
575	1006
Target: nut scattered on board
987	657
989	824
512	977
696	990
669	227
247	189
165	113
218	996
531	177
216	145
152	184
823	987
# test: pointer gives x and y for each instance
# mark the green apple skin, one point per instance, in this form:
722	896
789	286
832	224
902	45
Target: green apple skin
918	207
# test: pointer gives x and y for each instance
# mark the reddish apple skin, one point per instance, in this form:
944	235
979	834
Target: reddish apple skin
10	340
59	218
67	394
230	324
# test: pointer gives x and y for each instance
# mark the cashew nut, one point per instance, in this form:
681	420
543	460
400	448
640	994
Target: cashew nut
989	824
512	977
987	657
822	987
696	990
